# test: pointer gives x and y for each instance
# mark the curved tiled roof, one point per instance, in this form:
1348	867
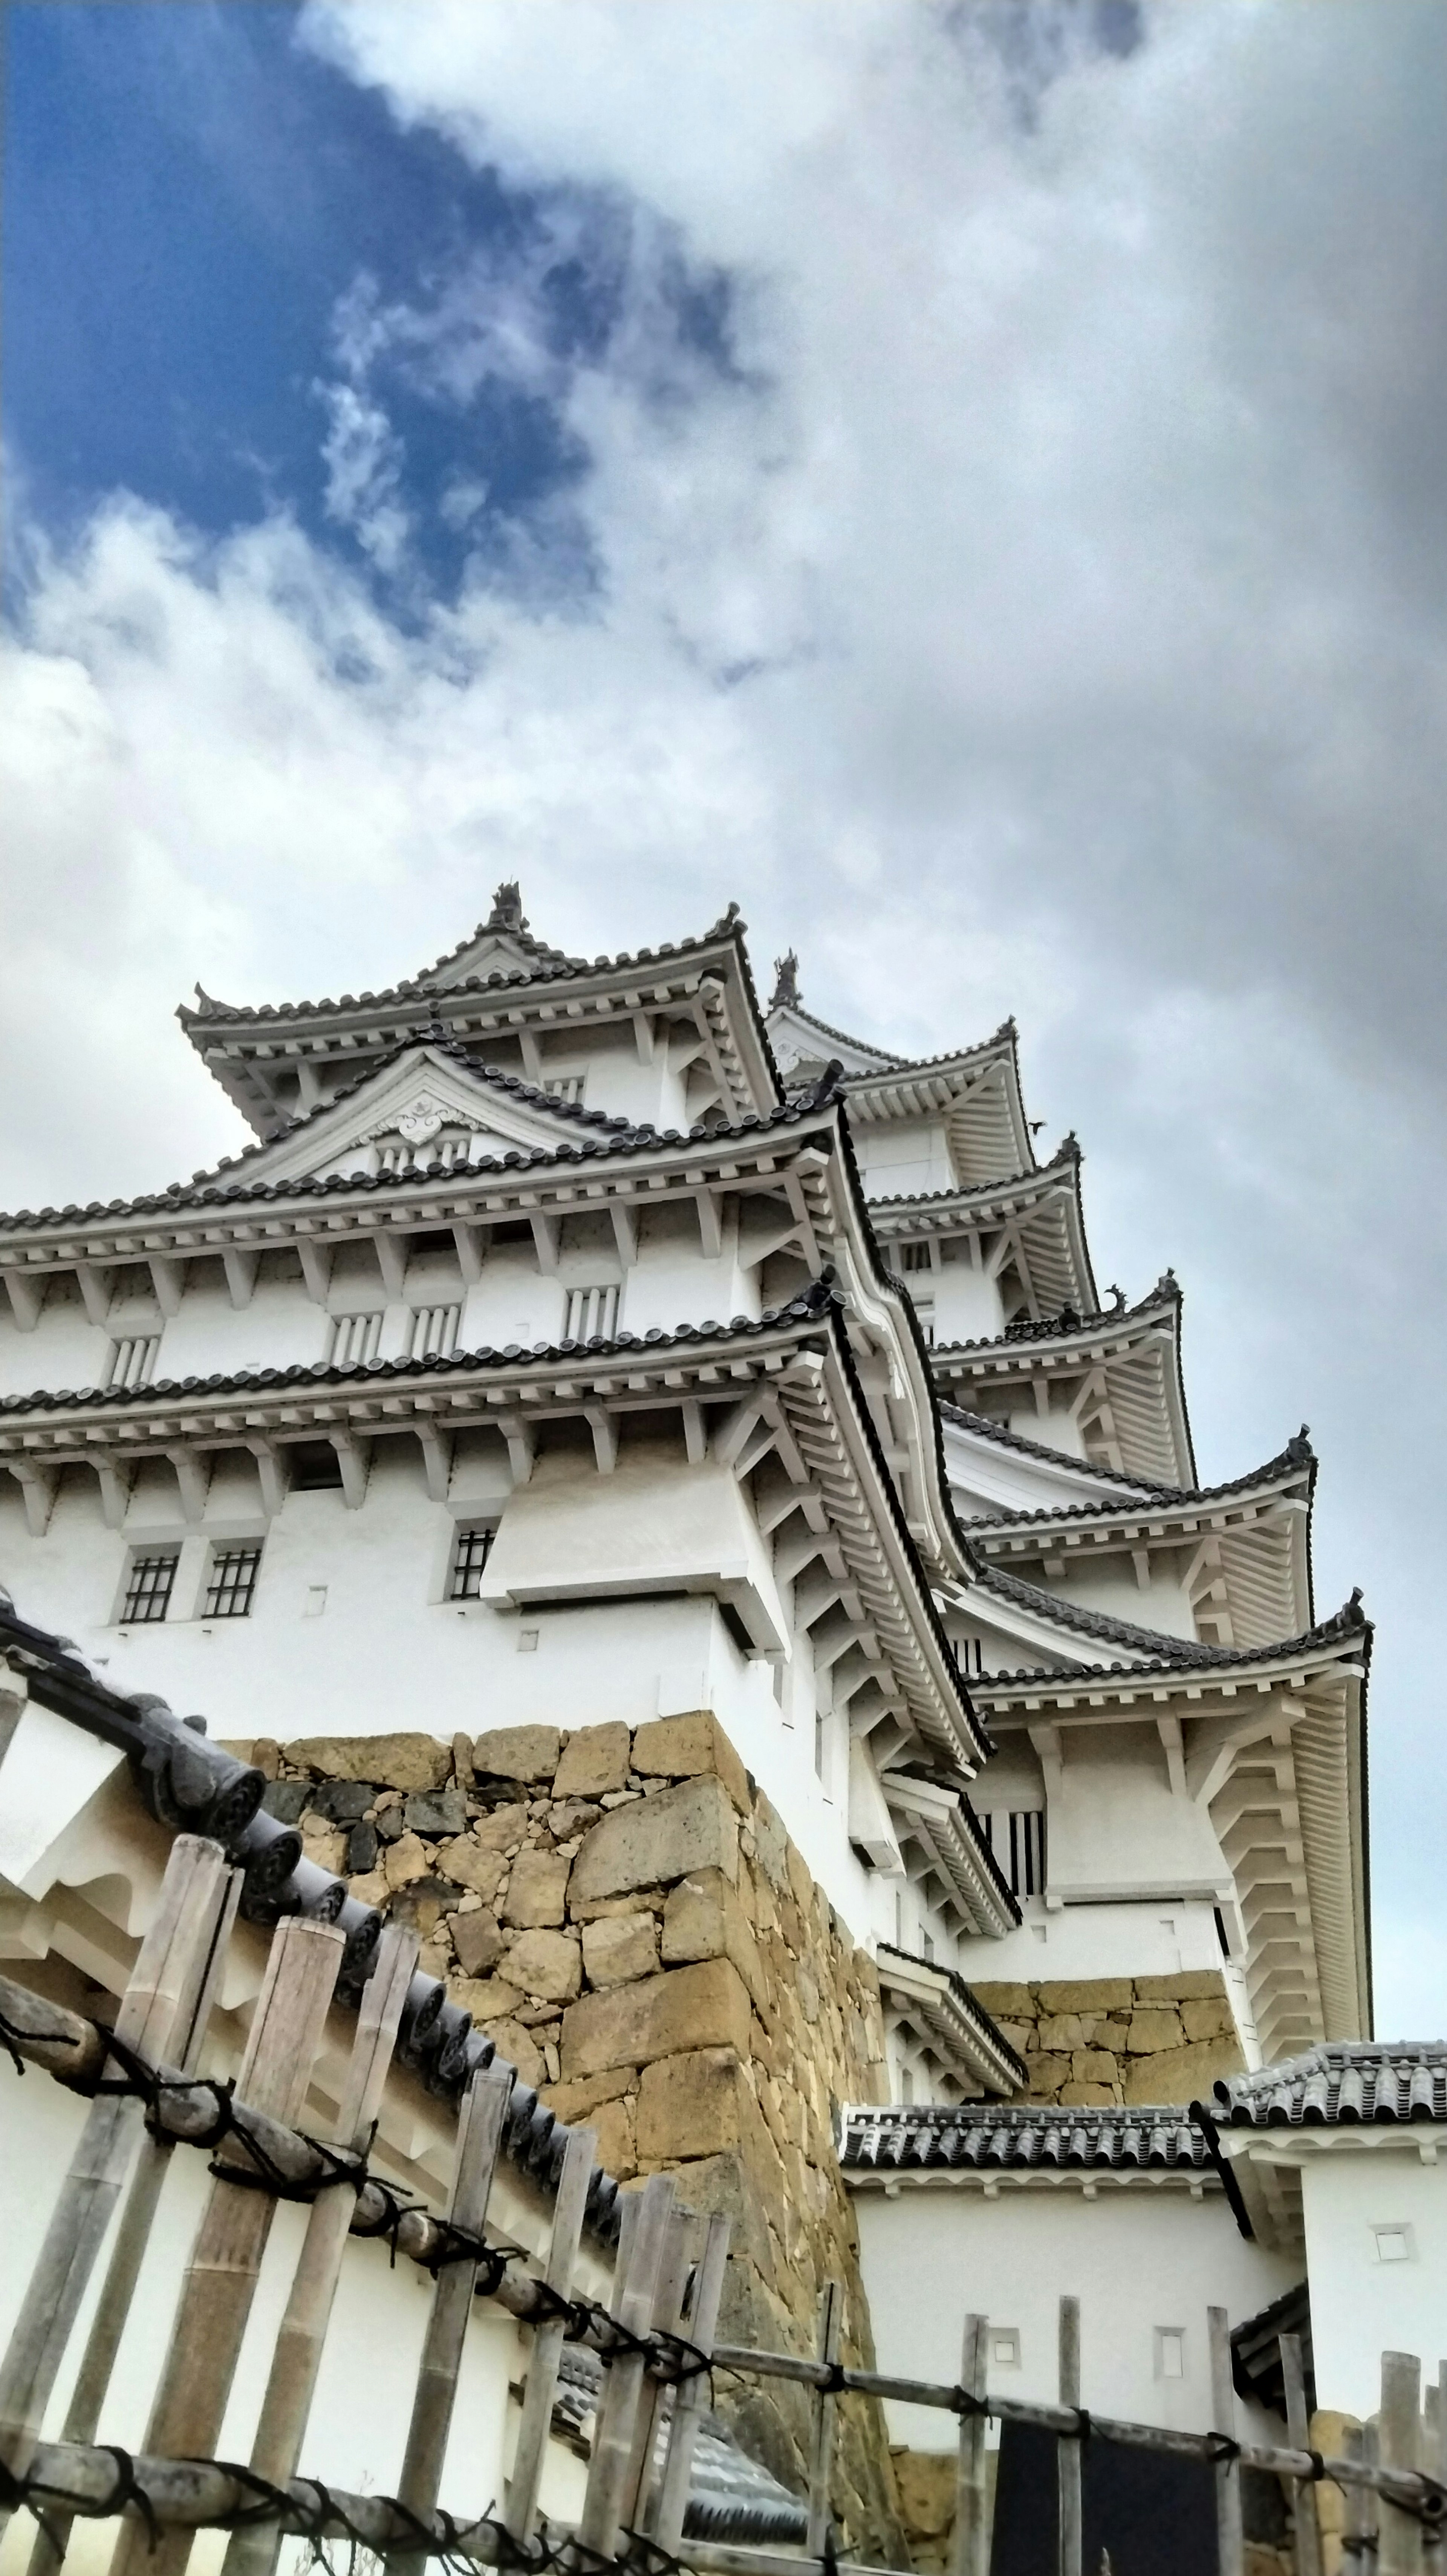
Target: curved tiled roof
213	1012
990	1429
1005	1033
1341	2084
1166	1293
608	1136
1021	2136
1166	1654
961	1995
1067	1157
1298	1453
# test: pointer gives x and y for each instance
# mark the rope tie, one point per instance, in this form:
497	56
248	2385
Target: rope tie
964	2402
1220	2448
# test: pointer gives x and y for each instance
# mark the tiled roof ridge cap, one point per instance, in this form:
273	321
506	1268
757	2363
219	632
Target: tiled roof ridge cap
808	1307
1067	1157
730	926
1349	1621
1297	1456
614	1135
964	1995
1001	1432
1159	1300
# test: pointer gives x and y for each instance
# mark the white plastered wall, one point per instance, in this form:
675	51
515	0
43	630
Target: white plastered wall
1359	2197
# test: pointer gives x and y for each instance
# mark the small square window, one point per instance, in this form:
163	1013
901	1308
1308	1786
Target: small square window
1004	2347
148	1585
232	1581
1395	2243
1170	2352
470	1553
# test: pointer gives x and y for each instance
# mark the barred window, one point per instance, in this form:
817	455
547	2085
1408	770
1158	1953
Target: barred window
566	1086
148	1585
590	1313
232	1580
915	1256
470	1553
434	1332
1018	1843
132	1359
353	1340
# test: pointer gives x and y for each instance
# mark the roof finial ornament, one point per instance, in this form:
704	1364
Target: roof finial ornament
786	983
507	907
1118	1294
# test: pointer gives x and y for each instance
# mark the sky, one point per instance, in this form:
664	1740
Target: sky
965	481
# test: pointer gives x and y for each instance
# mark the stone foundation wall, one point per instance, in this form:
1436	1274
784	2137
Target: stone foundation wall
622	1911
1120	2039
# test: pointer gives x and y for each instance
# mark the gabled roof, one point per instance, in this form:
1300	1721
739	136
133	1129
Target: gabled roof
1151	1653
936	2003
1134	1351
1022	2137
1343	2084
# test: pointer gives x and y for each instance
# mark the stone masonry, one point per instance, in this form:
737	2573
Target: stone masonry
1120	2039
622	1911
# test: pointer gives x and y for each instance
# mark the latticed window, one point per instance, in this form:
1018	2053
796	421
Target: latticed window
148	1585
470	1554
566	1086
434	1332
133	1359
1018	1843
232	1580
353	1340
915	1256
591	1312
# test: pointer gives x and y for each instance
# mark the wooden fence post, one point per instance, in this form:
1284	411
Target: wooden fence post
1358	2516
1307	2528
530	2450
133	2234
689	2400
623	2375
1399	2544
681	2241
479	2136
163	1986
281	2429
828	2340
1230	2543
221	2275
1068	2462
972	2497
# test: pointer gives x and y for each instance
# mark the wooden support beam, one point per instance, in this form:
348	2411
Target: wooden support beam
691	2399
1067	2453
240	1268
710	1231
1306	2545
695	1435
683	2238
1230	2542
391	1252
604	1427
193	1480
436	1460
221	2275
625	1231
971	2555
168	1278
520	1446
162	1990
273	1467
27	1296
598	2527
38	1488
1399	2437
471	1242
479	2135
545	1242
353	1458
316	1267
95	1279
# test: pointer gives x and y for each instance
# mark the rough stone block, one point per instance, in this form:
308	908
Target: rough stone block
1196	1985
405	1860
1152	2030
520	2048
621	1947
468	1865
926	2482
617	2154
1085	1995
691	2105
546	1964
703	1919
361	1850
517	1753
1207	2021
675	1748
369	1887
342	1802
1077	2092
285	1799
486	1998
1061	2030
436	1811
503	1830
1093	2066
655	1839
477	1943
579	2101
700	2007
1182	2074
999	1998
593	1760
771	1843
323	1844
537	1889
1045	2075
393	1761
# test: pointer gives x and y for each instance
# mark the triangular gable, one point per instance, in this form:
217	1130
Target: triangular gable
801	1042
424	1105
501	945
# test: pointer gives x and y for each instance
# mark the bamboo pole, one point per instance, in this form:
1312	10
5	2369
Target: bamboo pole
1306	2526
221	2275
172	1959
286	2406
1358	2515
1399	2543
187	2039
681	2242
826	2406
530	2449
689	2400
972	2503
479	2136
1230	2540
1068	2461
623	2375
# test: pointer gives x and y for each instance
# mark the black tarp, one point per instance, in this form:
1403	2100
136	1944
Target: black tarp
1152	2514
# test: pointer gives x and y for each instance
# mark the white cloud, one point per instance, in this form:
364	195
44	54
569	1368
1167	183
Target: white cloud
1044	611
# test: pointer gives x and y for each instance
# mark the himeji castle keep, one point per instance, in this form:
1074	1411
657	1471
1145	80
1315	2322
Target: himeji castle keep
653	1486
